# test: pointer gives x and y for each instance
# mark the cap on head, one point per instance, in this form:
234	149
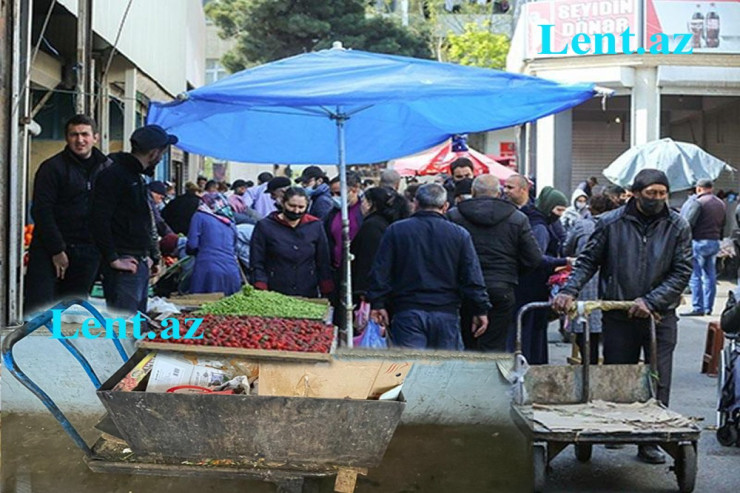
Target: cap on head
311	172
648	177
150	137
277	182
158	187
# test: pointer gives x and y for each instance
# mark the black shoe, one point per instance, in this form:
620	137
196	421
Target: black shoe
707	314
693	314
650	454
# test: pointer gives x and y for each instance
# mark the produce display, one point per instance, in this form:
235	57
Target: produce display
256	333
250	301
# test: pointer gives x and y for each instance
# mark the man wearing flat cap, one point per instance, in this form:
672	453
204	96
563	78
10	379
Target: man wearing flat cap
316	184
122	221
644	252
705	214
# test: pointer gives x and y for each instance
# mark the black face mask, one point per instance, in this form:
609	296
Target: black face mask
292	216
553	218
650	207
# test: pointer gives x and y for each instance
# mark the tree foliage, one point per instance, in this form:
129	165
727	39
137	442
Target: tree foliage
267	30
477	46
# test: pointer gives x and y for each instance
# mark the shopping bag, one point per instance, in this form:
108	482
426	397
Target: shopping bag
372	337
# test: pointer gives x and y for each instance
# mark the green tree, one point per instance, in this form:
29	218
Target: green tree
267	30
477	46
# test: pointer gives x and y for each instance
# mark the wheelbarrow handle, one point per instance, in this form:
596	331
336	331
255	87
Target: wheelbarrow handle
44	320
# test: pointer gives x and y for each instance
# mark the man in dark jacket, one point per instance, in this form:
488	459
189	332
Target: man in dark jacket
316	183
62	260
179	211
505	246
644	252
122	222
424	268
706	216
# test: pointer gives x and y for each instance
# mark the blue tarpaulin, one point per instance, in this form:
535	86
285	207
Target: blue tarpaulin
284	111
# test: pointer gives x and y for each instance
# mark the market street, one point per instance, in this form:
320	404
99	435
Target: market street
425	459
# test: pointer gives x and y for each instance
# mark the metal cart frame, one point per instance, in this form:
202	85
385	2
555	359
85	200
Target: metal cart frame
680	443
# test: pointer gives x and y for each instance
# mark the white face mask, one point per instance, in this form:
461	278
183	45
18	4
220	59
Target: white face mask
581	205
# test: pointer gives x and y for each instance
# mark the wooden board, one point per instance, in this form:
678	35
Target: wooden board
257	354
335	380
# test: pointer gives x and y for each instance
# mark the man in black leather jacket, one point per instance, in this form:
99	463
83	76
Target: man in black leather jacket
644	252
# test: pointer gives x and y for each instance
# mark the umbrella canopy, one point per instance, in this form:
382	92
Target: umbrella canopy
684	164
438	159
352	107
284	111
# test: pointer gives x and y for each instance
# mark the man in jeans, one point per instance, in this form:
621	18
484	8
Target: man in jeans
62	259
423	270
122	221
706	216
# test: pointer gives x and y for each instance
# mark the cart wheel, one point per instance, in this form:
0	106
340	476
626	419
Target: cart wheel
539	458
686	468
727	435
583	451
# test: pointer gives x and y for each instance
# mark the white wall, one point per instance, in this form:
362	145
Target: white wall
163	38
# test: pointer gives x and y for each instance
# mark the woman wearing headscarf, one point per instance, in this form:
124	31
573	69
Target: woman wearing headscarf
289	252
381	207
212	239
544	219
577	210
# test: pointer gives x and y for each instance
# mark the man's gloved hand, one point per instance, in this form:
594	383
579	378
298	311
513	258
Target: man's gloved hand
562	303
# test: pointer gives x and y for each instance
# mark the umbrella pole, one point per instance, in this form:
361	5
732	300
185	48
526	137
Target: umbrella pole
346	284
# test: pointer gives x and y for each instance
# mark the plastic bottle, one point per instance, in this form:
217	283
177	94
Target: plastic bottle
697	27
712	27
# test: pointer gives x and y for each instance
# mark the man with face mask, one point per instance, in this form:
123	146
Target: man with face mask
644	251
122	222
316	184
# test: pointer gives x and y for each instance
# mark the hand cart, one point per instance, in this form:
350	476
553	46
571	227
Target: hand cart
365	425
606	404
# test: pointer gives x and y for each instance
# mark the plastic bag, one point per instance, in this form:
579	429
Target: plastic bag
371	338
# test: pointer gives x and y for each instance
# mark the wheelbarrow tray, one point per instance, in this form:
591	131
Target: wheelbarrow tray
289	430
621	408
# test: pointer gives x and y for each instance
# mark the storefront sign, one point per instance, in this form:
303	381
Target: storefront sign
714	26
579	27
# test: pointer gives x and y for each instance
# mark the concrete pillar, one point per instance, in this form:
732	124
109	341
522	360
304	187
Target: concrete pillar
129	107
645	106
104	114
554	153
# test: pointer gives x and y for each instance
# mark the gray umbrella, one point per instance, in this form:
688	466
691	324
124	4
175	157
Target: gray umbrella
683	163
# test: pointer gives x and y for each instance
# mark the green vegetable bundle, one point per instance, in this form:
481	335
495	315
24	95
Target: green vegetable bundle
250	301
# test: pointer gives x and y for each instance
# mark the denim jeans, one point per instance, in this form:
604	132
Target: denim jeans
420	329
126	292
704	277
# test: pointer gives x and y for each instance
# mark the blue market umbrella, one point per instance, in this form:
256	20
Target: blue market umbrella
684	164
351	107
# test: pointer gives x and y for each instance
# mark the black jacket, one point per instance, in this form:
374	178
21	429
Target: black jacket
364	247
638	259
61	200
292	261
178	213
122	222
502	237
428	263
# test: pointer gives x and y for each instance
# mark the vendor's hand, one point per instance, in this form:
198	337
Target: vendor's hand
562	303
61	263
125	264
640	309
480	324
380	317
153	267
